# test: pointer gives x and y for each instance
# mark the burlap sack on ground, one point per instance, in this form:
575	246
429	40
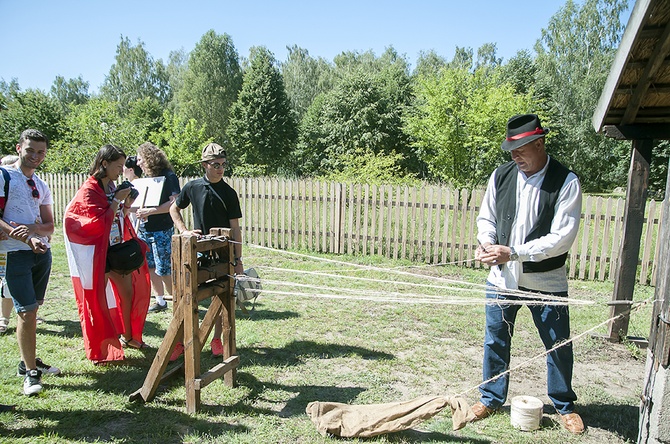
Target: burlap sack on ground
364	421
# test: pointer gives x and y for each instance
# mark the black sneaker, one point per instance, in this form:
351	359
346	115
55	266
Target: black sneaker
32	383
156	307
41	366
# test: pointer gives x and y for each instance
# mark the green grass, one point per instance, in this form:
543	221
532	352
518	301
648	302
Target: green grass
298	349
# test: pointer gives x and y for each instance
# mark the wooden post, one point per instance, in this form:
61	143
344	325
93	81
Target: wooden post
636	197
191	342
193	284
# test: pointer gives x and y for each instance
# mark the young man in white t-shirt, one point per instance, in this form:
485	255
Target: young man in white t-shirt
28	222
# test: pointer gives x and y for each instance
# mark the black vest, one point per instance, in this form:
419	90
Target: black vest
505	182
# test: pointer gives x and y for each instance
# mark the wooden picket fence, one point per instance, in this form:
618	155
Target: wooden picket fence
427	224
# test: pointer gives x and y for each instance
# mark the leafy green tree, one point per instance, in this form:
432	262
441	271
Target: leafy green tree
574	56
365	166
70	92
520	71
463	59
304	78
363	111
487	56
28	109
96	123
176	69
358	114
262	129
458	123
210	85
182	141
429	64
135	75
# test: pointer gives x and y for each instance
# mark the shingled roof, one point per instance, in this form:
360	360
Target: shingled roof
635	102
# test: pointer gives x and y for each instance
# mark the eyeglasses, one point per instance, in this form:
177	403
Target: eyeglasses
217	165
31	184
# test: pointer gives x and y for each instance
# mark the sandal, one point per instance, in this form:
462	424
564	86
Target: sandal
4	323
133	343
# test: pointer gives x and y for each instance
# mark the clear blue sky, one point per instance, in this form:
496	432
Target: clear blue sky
40	39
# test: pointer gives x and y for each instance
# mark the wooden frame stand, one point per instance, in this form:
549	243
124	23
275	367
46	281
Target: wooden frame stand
201	269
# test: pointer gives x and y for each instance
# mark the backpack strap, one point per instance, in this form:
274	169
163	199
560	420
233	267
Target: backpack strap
3	200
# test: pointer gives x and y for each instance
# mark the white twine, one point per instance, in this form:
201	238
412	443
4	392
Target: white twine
562	344
524	296
501	291
539	299
526	413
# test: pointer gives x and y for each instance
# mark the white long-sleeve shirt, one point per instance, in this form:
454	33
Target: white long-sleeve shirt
564	228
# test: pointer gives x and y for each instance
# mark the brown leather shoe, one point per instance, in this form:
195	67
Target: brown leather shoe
480	411
573	423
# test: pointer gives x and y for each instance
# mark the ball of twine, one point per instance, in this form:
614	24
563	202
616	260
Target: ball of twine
526	413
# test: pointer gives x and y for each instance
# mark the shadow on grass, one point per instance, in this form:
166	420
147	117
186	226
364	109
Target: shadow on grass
620	419
296	352
146	424
421	436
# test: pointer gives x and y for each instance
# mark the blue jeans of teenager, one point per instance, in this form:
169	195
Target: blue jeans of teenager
552	323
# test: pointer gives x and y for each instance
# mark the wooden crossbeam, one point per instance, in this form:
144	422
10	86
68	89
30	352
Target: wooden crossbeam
193	284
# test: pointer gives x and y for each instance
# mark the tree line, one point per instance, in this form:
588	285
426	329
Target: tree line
359	117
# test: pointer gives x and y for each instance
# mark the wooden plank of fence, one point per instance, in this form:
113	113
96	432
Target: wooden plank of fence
245	202
266	209
281	214
602	268
389	217
596	239
396	228
365	202
445	225
404	222
428	236
647	245
419	225
472	233
324	217
271	212
382	221
454	226
618	228
308	215
436	226
412	223
464	218
351	206
258	219
585	239
341	191
655	268
372	222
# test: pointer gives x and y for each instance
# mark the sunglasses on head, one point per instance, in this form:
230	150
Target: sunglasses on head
36	192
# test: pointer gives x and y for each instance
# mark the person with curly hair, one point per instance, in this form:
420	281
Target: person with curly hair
156	226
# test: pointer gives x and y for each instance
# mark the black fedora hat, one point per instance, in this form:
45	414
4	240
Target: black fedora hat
522	129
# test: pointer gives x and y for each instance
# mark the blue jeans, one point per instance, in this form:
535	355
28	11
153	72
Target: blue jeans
553	324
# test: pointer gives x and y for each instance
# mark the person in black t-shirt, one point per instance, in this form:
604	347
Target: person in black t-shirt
156	226
215	205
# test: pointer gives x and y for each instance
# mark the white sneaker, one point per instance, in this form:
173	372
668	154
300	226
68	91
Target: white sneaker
41	366
32	383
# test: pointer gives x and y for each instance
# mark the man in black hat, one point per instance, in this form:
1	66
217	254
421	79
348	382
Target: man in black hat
528	220
215	205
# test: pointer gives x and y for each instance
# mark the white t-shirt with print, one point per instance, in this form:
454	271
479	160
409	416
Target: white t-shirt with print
22	208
